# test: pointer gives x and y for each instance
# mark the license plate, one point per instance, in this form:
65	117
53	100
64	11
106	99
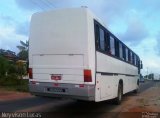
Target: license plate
56	90
56	77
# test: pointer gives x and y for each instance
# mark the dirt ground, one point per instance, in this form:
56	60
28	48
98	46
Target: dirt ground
147	101
12	95
142	105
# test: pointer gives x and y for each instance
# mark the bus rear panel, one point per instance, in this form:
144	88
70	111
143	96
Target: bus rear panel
58	55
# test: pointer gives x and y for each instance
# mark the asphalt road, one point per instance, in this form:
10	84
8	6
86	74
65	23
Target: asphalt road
60	106
146	85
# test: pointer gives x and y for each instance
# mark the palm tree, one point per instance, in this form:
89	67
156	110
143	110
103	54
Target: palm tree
22	55
23	48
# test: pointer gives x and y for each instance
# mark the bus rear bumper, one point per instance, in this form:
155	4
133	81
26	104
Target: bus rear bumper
74	91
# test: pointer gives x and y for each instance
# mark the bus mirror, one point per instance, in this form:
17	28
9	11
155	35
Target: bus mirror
141	65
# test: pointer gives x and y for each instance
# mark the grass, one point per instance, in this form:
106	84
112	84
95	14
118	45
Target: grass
15	88
12	83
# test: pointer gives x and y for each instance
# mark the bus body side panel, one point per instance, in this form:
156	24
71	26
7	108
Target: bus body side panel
109	72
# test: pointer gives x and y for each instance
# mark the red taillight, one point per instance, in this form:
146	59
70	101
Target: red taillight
87	76
30	73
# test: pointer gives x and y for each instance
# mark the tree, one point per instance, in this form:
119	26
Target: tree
23	55
3	66
23	48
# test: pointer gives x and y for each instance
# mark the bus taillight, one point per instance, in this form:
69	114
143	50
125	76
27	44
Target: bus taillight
30	73
87	76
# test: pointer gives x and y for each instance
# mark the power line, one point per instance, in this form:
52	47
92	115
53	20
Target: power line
35	3
48	3
43	2
51	3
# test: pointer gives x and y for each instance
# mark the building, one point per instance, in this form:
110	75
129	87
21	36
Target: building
9	55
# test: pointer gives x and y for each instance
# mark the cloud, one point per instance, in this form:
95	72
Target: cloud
35	5
148	55
9	39
22	28
27	4
5	19
152	64
135	33
157	48
151	4
104	9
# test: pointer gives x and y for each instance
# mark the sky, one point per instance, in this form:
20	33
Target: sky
135	22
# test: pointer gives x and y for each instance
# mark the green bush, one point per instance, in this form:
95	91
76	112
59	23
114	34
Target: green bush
12	69
10	72
3	66
11	82
23	86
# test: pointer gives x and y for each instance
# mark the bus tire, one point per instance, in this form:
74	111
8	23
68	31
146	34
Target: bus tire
136	90
119	94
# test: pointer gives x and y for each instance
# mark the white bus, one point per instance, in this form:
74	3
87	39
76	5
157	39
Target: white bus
72	54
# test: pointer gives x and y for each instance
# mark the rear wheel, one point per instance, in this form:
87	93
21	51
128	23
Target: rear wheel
137	90
119	94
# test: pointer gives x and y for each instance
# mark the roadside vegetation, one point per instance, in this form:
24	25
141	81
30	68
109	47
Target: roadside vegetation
13	70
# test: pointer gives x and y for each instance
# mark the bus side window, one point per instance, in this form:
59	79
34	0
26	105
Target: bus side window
127	54
107	42
117	48
112	45
124	52
120	50
97	36
131	59
135	60
102	39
